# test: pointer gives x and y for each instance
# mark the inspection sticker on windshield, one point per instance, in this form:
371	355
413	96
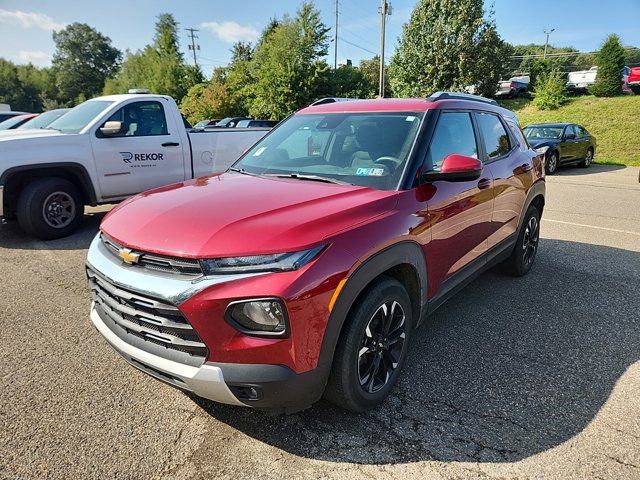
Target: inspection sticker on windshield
259	152
370	172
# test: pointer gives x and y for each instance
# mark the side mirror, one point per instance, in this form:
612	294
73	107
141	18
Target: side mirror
456	168
112	128
570	136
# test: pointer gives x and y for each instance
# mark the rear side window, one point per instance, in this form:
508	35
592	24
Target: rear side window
581	132
453	134
496	139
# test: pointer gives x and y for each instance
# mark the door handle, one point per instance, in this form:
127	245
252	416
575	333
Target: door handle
170	144
484	183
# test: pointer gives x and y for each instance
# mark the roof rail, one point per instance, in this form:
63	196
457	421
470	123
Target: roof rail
322	101
460	96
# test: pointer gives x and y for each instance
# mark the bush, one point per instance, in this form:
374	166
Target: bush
610	60
549	91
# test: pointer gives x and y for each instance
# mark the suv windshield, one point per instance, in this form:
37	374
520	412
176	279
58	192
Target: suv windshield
79	117
533	133
366	149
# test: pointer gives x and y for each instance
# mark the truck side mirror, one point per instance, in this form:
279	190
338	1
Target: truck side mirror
111	128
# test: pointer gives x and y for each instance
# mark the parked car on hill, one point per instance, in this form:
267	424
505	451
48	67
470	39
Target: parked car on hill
514	87
229	122
633	80
305	269
44	119
561	143
17	120
580	81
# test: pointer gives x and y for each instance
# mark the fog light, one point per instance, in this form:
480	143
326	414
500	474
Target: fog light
263	317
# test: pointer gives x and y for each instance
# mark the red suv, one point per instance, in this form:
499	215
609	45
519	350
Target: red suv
305	269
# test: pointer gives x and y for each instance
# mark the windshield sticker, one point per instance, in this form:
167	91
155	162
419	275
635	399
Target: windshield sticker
410	118
370	172
259	152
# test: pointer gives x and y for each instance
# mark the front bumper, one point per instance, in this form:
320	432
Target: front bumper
206	381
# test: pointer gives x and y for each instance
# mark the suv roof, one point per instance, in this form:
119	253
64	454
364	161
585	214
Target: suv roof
401	104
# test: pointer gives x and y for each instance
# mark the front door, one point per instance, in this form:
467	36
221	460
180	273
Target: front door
146	155
458	212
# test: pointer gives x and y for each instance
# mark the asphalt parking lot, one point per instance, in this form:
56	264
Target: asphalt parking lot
536	377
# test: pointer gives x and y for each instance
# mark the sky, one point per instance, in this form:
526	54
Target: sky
26	25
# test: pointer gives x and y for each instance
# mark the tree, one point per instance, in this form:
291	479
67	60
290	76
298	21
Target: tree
288	66
549	92
370	69
492	59
349	82
84	60
207	101
438	49
160	67
610	60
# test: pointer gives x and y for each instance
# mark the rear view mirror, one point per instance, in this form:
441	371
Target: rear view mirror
456	168
112	128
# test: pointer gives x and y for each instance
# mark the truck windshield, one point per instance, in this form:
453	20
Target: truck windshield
366	149
79	117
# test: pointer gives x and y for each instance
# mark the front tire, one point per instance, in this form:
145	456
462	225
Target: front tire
50	208
526	248
588	159
372	347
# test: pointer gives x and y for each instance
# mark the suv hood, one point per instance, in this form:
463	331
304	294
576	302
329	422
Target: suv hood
234	214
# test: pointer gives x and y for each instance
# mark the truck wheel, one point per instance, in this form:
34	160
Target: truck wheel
372	348
524	252
50	208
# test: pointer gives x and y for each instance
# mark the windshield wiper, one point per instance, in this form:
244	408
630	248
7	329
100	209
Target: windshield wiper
312	178
243	171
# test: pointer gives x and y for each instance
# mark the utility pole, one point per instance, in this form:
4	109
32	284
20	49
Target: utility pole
546	43
335	40
385	9
193	46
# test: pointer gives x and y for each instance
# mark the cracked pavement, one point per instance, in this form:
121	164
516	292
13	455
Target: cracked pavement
535	377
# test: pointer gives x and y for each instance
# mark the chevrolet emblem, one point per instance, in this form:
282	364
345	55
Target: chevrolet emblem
128	256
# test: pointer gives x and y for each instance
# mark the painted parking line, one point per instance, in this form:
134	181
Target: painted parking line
592	226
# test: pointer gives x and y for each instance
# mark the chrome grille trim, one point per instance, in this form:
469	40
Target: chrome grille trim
160	263
132	315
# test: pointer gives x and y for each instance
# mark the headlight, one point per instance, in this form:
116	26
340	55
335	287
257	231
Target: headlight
265	317
277	262
541	150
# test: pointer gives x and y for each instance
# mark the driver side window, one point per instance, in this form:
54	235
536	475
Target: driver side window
453	134
141	119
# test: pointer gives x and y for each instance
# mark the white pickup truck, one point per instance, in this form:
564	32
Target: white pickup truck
582	80
102	151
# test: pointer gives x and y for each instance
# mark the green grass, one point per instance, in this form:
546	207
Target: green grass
615	122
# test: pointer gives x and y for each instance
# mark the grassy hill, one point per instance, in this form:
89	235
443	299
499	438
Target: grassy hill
615	122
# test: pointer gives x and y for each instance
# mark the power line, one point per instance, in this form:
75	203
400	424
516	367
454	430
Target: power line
357	46
193	45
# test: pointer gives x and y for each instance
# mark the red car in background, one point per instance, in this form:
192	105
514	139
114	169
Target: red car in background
305	269
16	121
633	81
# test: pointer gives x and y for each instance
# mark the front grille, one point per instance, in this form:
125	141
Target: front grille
159	263
146	323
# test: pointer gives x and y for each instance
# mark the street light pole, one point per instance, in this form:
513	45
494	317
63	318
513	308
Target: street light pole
546	43
335	40
385	9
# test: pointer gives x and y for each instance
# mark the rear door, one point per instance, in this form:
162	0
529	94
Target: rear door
582	141
459	212
507	158
148	154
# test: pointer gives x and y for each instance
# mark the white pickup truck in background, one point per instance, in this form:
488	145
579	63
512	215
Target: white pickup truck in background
582	79
102	151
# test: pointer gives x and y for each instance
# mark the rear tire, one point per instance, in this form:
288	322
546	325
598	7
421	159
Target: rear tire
50	208
526	247
372	347
586	161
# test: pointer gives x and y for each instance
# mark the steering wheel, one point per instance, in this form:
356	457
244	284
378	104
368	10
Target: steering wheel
390	162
